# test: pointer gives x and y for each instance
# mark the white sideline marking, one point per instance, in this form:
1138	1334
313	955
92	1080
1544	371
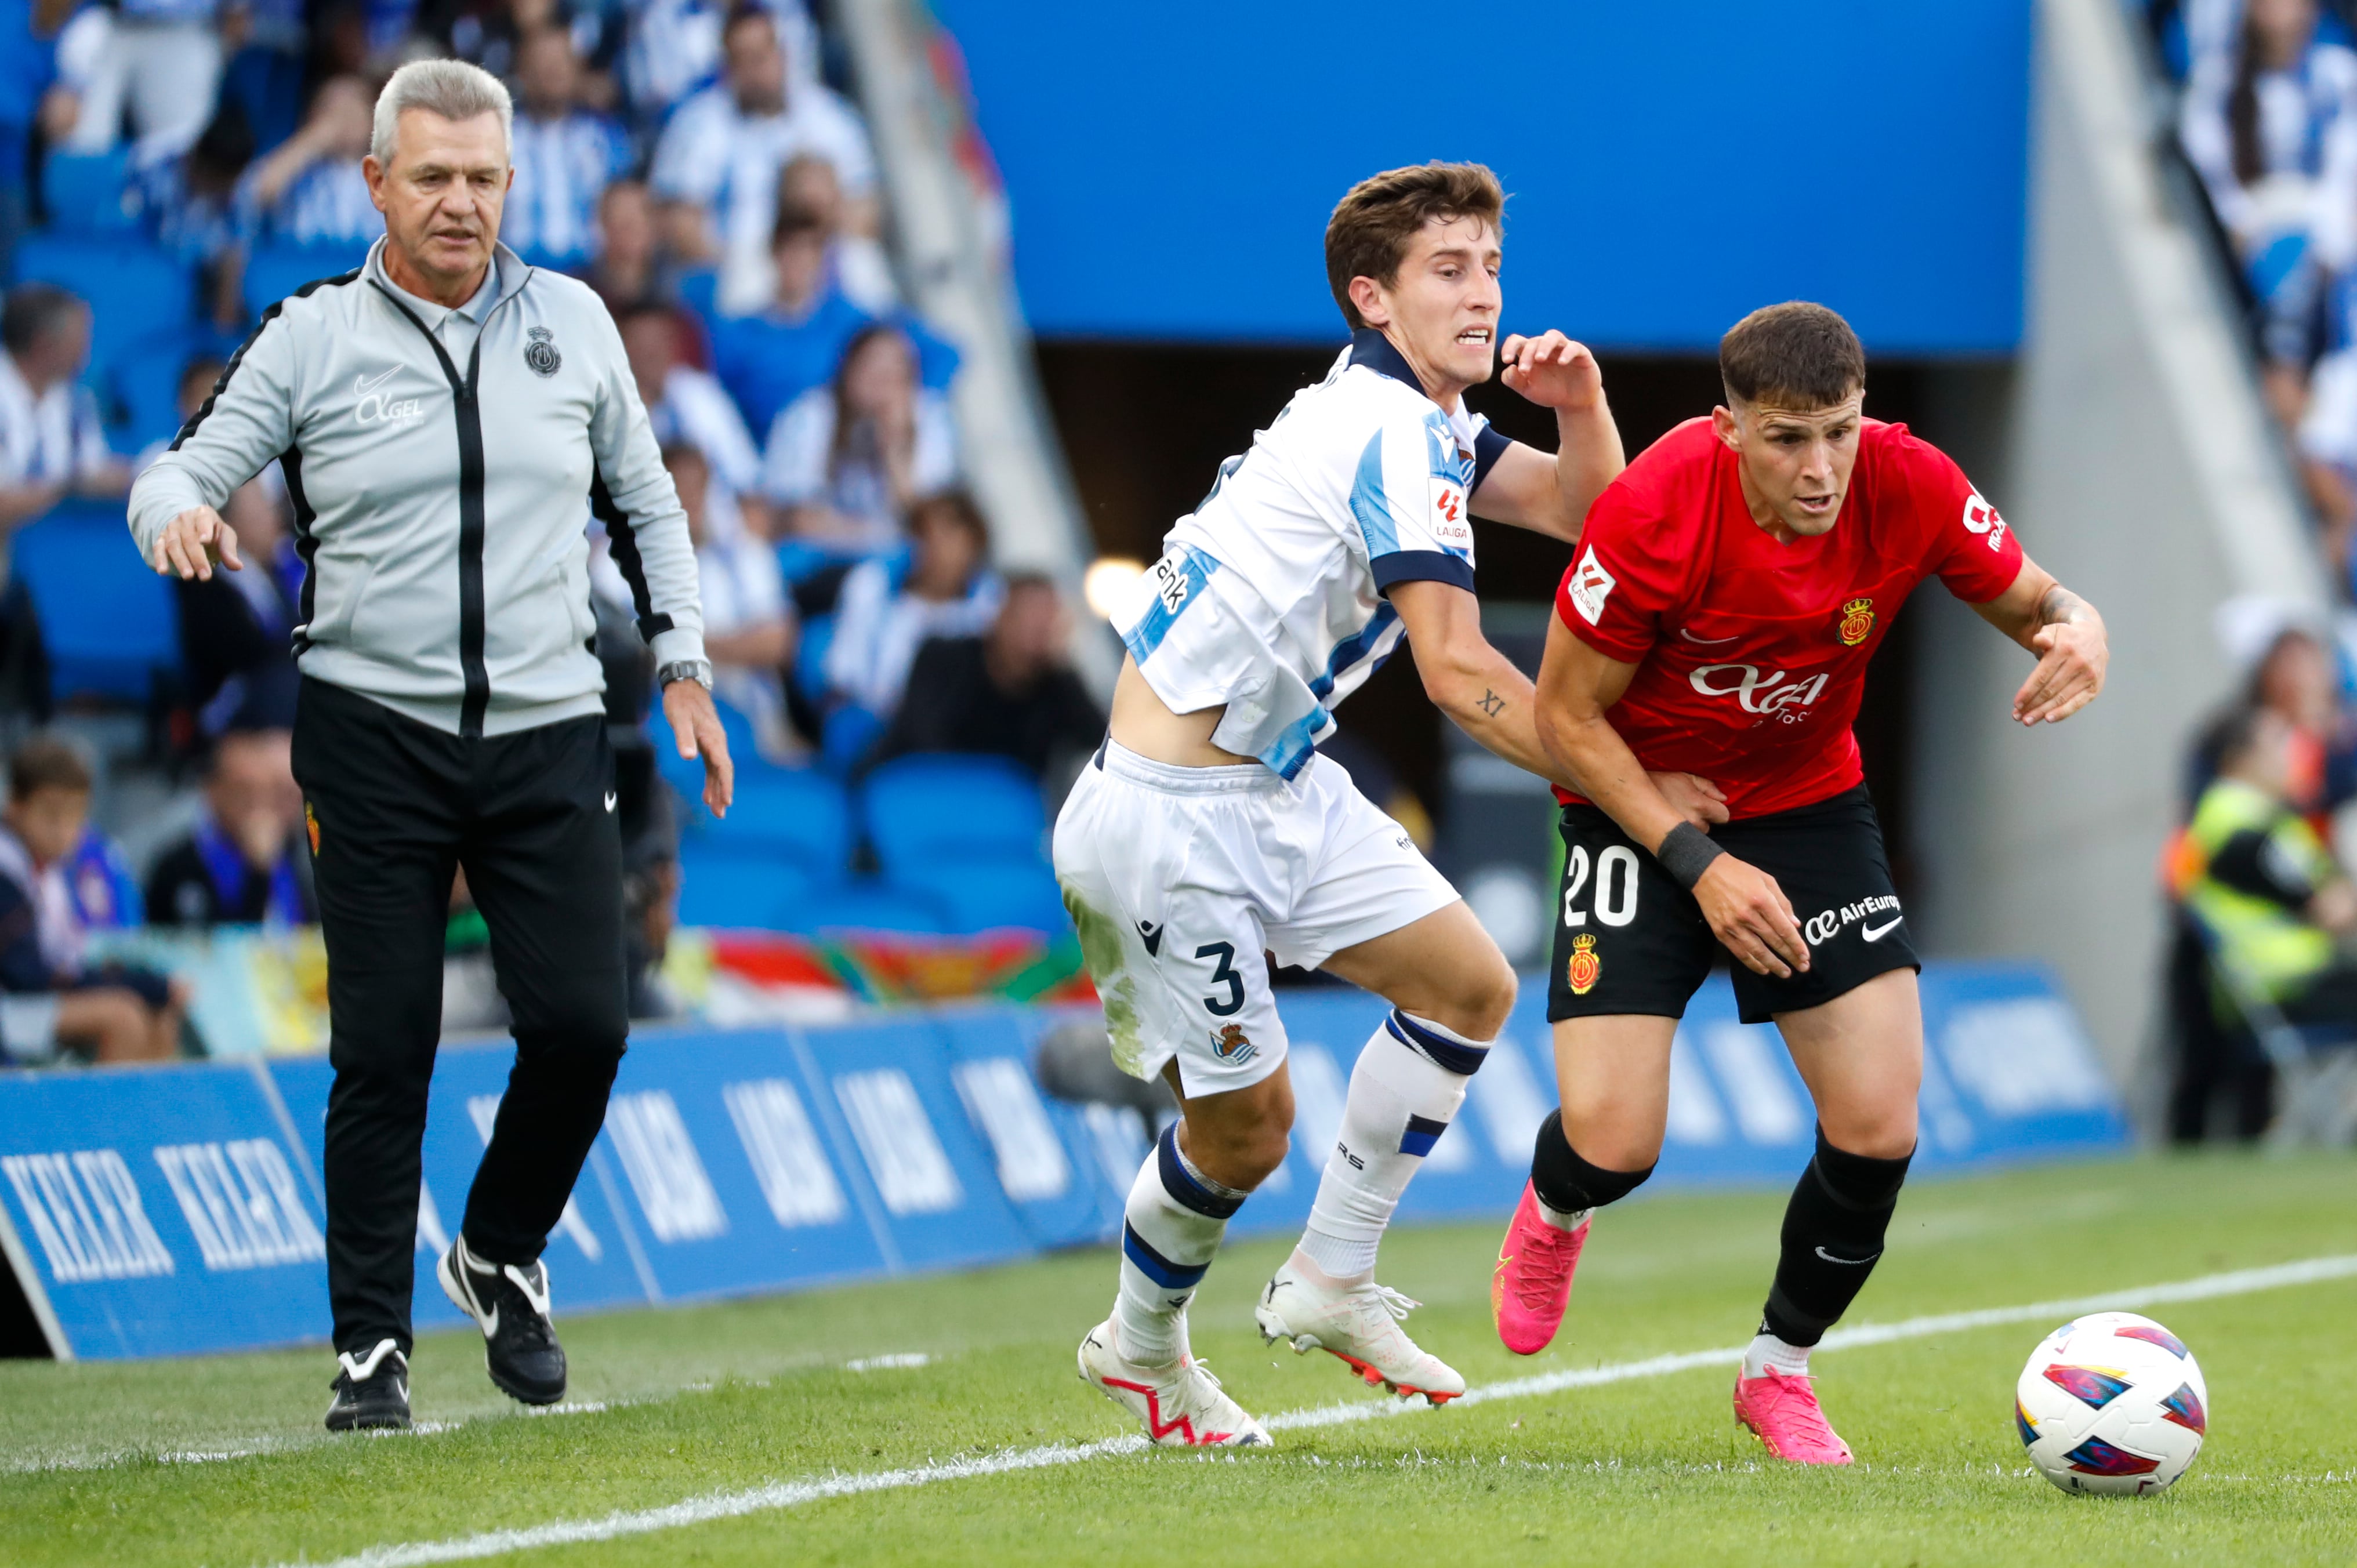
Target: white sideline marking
2242	1282
794	1494
906	1359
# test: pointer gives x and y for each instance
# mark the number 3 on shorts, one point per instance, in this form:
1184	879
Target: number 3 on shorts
1225	974
1616	886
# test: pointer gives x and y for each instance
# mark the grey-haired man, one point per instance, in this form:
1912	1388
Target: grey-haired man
447	419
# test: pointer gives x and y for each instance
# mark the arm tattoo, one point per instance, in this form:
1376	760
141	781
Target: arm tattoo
2060	605
1492	703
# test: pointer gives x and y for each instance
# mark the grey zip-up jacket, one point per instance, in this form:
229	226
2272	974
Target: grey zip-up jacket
441	509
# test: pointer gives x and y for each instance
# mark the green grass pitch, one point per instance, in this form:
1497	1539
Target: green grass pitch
124	1465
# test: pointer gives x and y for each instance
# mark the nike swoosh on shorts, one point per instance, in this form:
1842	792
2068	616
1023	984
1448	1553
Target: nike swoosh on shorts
1876	933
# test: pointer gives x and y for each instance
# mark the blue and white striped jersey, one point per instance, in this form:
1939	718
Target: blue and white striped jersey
562	166
328	204
1270	598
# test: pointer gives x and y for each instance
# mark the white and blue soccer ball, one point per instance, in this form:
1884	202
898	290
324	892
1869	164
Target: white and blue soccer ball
2112	1403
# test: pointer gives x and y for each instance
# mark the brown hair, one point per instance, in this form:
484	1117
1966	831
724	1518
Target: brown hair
839	449
46	762
1368	235
957	508
1795	353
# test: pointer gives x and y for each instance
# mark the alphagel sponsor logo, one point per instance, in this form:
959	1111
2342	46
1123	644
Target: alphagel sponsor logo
242	1204
85	1211
665	1173
1757	692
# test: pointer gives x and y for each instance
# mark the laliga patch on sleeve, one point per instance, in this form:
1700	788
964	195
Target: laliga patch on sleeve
1591	585
1982	517
1450	525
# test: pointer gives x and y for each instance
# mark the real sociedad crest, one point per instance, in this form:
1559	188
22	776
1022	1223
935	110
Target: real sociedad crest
541	353
1857	622
1232	1044
1586	968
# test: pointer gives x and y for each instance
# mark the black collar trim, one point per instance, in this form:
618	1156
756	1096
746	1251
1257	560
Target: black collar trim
1372	349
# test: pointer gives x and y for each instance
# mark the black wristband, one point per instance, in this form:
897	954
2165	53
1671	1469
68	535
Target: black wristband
1686	853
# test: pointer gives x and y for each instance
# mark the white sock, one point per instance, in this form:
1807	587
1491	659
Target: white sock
1560	1219
1170	1231
1768	1352
1403	1093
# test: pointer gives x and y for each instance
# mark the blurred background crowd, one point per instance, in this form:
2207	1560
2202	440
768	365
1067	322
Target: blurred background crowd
2259	981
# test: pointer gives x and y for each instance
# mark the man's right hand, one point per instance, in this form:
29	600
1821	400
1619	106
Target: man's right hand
1751	916
1697	800
192	541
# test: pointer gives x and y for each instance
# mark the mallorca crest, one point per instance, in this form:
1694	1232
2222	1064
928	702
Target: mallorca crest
540	352
1586	968
1230	1044
1857	622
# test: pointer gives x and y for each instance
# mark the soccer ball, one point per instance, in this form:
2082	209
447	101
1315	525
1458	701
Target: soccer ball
2111	1403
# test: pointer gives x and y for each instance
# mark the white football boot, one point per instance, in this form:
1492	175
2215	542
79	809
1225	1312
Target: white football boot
1359	1325
1181	1405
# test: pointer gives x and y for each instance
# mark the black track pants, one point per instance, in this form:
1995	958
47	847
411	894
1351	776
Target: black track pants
398	806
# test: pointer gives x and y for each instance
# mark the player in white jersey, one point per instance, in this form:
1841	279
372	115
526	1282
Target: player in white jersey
1209	830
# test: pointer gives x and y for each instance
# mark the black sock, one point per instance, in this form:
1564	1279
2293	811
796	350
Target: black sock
1833	1234
1568	1184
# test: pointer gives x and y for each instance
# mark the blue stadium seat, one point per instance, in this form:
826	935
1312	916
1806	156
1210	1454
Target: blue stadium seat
937	809
110	625
809	658
727	886
864	905
849	734
738	724
145	381
685	775
982	893
274	272
134	291
82	192
795	815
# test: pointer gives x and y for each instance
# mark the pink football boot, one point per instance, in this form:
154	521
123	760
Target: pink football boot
1532	1283
1782	1409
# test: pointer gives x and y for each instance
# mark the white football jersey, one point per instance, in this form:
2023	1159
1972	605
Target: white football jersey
1270	596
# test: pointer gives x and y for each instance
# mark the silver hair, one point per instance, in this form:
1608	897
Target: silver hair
450	88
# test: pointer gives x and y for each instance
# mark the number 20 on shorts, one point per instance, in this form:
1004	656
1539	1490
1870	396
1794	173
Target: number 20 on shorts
1616	886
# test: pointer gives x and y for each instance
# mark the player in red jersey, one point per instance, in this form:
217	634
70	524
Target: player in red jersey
1728	590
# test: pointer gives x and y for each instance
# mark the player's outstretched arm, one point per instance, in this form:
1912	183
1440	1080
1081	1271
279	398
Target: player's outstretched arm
1525	486
1467	679
1747	911
2066	634
1490	700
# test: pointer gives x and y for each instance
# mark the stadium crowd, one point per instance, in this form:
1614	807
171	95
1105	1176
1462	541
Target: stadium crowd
170	168
2262	915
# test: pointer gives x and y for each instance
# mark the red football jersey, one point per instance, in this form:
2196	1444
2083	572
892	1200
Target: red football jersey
1751	655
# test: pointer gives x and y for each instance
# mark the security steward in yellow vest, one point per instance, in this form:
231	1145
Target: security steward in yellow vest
2276	903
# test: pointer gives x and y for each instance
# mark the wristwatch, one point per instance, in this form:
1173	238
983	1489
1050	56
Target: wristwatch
696	670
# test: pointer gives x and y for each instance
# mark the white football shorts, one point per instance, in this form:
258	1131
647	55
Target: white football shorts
1180	878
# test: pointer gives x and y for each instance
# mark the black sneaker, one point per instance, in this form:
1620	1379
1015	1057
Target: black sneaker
371	1391
510	1304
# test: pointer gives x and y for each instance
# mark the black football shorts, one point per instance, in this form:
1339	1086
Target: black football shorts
1628	938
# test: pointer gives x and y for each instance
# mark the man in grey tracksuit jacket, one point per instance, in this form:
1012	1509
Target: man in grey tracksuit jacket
443	460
